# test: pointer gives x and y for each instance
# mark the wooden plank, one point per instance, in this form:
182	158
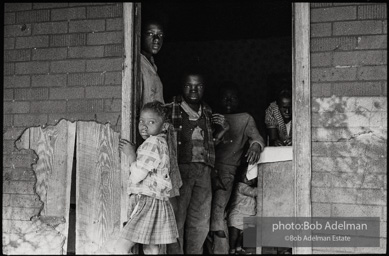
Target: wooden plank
275	191
278	189
127	100
54	146
98	189
301	92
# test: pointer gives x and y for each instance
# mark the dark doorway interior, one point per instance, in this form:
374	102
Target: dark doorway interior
247	42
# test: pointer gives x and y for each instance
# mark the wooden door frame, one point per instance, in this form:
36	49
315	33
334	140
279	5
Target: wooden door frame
130	89
301	93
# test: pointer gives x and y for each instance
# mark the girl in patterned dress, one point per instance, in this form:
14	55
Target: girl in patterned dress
152	220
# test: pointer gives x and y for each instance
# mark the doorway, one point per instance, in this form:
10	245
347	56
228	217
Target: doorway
300	74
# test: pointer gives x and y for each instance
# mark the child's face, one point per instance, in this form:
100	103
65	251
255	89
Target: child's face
150	123
152	38
285	107
193	89
229	101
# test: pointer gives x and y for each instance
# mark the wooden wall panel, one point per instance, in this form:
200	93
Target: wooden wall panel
98	186
54	146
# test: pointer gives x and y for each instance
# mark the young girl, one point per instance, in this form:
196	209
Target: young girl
152	220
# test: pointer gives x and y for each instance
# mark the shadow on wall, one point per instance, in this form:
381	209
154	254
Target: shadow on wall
349	140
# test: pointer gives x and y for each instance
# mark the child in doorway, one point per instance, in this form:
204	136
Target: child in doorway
152	222
228	158
195	126
278	120
243	204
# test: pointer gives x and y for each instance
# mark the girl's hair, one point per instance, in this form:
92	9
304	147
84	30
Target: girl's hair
157	107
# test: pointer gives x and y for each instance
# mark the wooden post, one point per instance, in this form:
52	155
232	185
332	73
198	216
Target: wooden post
127	100
301	91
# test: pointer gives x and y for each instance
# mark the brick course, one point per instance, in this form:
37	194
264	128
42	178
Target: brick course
86	26
86	52
334	14
48	80
32	41
50	28
68	14
16	81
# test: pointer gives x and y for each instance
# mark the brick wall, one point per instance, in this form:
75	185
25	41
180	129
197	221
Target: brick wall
61	60
349	113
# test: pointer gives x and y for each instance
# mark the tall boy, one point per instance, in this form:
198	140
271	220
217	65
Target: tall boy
228	158
152	35
195	126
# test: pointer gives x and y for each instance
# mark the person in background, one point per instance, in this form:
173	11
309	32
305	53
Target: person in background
278	120
152	36
243	204
229	153
195	126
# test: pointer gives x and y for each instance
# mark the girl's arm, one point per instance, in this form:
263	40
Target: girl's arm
148	158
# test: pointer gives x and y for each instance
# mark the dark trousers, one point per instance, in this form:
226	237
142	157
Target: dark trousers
193	209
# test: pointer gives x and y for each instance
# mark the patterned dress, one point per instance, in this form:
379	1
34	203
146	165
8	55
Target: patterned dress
152	220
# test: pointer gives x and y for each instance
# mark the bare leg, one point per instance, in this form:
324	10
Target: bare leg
123	246
234	235
151	249
240	239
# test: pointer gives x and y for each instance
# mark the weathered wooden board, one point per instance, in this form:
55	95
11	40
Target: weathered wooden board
54	146
275	191
128	89
301	93
98	185
278	189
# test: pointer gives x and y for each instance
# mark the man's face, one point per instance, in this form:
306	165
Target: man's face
193	89
285	106
229	101
152	38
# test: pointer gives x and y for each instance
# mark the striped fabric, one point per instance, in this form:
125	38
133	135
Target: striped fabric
273	119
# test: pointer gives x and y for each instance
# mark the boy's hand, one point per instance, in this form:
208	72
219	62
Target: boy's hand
288	142
278	143
253	153
127	148
220	120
